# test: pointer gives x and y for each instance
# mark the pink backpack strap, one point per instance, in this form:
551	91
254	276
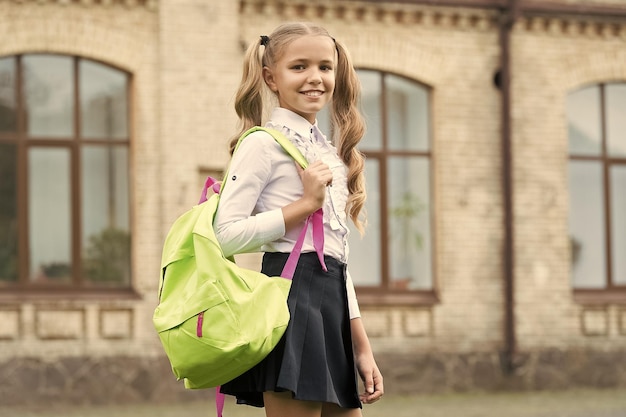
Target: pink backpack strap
219	401
318	236
316	220
209	183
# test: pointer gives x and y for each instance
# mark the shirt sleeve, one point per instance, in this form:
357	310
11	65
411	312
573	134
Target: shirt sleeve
353	305
237	227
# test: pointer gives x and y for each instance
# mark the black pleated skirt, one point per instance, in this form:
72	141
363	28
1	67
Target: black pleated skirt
314	359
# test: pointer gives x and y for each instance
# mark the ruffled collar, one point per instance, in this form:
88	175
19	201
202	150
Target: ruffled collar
296	123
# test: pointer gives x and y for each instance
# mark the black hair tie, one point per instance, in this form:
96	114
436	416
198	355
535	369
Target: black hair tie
265	40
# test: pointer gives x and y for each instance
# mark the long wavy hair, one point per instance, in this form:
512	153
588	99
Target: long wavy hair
347	124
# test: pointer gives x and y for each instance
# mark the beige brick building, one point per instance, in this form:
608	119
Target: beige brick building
492	92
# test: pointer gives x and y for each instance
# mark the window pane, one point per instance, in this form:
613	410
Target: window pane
370	105
49	215
409	223
583	118
7	95
618	223
105	208
407	115
365	252
103	101
586	224
616	119
49	95
8	213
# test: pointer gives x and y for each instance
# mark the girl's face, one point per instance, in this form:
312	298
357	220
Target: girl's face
304	76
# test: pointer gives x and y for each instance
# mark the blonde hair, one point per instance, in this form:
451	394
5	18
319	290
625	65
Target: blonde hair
347	125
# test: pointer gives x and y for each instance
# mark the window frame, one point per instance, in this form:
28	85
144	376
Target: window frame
611	292
23	287
385	293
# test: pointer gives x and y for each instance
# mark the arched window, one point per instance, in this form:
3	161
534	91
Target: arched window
596	117
396	254
64	173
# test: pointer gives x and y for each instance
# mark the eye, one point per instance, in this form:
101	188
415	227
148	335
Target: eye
298	67
326	68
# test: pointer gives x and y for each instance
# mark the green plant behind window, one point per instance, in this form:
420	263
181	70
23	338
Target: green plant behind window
107	258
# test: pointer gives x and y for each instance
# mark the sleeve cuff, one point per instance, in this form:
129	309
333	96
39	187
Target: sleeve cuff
353	305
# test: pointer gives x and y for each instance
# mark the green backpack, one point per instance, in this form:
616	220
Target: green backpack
215	319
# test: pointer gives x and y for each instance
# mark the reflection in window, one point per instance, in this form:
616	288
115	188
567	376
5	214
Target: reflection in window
407	123
73	151
103	101
618	223
597	185
371	101
396	253
365	253
49	214
583	116
8	120
8	212
587	224
616	119
49	90
106	227
408	202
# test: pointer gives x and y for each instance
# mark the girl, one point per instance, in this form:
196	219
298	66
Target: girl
311	372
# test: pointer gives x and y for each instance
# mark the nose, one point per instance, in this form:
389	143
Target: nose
315	77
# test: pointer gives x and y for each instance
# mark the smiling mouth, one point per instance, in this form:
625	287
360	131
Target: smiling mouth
313	93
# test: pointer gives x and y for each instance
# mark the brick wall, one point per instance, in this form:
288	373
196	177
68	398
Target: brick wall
552	58
185	58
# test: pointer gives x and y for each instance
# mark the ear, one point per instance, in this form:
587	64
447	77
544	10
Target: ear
268	77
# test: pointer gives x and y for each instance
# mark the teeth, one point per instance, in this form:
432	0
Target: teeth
313	93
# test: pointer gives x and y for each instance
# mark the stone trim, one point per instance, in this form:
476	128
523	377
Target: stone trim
423	15
127	379
116	323
621	319
10	323
594	321
384	13
572	27
546	369
90	380
151	5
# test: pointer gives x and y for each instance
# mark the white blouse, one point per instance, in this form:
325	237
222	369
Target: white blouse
263	178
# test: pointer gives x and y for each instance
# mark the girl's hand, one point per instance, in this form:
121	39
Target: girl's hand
315	179
371	377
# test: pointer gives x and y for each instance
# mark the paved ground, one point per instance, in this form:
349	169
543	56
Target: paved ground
575	403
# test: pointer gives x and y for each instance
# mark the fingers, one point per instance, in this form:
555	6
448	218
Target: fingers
315	178
374	388
369	384
319	172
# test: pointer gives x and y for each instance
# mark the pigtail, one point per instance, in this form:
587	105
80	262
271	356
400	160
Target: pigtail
349	128
249	98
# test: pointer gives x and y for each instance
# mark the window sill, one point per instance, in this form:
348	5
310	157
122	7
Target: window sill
600	297
28	295
381	297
